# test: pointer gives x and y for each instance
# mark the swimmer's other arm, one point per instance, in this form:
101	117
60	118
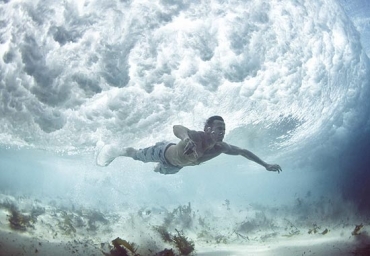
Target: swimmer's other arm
234	150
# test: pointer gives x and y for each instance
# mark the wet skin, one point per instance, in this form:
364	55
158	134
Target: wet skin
197	147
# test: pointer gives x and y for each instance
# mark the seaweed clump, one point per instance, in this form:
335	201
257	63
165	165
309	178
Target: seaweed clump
66	224
125	248
19	221
165	252
122	248
182	243
181	215
164	234
69	222
94	217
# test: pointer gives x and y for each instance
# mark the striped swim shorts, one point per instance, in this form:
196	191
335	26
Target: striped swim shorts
156	153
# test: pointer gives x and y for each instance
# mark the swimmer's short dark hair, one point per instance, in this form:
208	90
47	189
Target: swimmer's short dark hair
210	120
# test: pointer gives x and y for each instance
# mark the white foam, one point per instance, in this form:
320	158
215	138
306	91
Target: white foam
91	72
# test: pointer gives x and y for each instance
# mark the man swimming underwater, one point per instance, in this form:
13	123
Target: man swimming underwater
194	148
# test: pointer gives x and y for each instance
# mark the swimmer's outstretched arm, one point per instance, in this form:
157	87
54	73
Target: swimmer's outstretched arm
234	150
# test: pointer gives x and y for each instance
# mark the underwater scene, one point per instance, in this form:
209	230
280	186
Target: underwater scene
291	80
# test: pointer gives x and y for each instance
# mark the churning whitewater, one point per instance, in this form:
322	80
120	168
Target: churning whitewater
74	74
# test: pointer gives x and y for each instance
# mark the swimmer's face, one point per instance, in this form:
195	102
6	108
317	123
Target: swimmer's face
217	131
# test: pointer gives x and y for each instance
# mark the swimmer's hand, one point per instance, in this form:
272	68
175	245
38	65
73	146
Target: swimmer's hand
274	168
190	147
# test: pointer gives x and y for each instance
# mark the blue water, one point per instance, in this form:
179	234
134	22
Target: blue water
291	80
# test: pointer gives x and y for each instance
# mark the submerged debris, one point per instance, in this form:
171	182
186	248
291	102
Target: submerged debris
269	236
314	229
357	229
292	233
227	204
325	232
293	230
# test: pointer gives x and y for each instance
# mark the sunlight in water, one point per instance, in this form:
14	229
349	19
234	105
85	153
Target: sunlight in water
290	78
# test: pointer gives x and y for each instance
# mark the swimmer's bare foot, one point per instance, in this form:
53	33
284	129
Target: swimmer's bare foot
109	152
106	155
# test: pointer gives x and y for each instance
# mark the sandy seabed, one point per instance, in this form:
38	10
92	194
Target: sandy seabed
13	243
29	227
